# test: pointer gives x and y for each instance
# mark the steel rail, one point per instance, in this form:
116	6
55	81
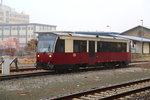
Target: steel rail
24	75
21	70
91	93
30	69
19	75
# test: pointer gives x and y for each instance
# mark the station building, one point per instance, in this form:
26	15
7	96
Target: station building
138	31
23	32
140	37
138	45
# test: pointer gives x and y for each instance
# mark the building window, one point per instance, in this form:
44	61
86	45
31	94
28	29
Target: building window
22	36
49	28
7	13
19	28
79	46
14	35
6	28
31	28
24	28
7	20
13	28
53	28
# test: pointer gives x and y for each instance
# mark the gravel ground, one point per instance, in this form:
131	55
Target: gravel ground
39	88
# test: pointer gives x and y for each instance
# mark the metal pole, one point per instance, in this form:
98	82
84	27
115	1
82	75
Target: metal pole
142	37
109	28
5	65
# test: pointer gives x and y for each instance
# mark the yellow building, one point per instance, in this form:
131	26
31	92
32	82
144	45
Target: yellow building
10	16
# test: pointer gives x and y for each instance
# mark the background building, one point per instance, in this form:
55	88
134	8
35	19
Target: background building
23	32
140	37
138	31
10	16
138	45
16	32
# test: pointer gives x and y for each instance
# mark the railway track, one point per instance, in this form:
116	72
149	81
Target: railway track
24	75
22	70
124	91
30	72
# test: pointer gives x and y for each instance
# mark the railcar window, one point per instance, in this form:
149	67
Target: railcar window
46	44
99	46
60	46
111	47
102	46
118	47
79	46
124	47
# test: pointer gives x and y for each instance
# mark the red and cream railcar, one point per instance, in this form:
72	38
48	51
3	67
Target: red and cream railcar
62	50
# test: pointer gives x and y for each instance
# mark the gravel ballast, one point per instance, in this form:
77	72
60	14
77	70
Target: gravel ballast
40	88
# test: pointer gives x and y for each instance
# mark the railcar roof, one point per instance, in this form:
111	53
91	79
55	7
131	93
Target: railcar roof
74	34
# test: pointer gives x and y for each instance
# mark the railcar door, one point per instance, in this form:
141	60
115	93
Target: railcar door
91	52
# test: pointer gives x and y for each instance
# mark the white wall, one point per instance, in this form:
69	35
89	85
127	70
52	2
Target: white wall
146	48
138	47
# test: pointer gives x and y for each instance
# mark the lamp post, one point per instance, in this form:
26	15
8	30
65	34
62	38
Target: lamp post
109	28
142	22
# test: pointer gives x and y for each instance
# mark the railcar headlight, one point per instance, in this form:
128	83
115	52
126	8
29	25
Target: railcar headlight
38	55
50	56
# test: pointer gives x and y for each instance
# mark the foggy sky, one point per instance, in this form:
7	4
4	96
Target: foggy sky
86	15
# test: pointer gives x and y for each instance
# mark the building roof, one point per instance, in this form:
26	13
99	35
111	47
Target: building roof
114	34
26	24
134	38
137	27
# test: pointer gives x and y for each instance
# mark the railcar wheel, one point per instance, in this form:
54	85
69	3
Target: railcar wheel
60	71
75	68
108	65
126	63
113	65
123	64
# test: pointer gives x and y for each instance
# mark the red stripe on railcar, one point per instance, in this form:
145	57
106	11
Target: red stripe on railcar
81	58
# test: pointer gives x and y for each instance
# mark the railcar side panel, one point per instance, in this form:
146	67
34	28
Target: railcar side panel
70	58
81	58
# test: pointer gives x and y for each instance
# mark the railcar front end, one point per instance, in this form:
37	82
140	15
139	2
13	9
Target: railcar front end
45	48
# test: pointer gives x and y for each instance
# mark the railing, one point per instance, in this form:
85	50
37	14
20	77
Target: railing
15	60
1	63
6	62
